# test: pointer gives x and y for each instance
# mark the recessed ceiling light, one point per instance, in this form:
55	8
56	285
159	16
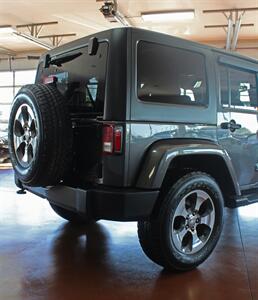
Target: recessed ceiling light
168	16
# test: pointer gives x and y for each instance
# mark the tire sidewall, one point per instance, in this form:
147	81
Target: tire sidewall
173	198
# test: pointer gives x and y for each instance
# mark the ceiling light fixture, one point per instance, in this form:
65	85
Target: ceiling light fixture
34	40
6	29
81	21
165	16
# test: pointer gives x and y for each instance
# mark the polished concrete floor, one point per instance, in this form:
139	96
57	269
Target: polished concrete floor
43	257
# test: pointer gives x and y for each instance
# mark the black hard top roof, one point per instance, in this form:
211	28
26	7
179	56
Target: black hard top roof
163	36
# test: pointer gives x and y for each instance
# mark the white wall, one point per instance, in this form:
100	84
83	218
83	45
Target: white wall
19	64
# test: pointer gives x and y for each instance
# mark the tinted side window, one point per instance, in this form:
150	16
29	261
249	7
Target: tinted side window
243	89
170	75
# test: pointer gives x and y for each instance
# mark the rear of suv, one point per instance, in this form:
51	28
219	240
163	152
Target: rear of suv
133	125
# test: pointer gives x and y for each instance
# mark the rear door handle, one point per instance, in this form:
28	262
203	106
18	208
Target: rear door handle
231	125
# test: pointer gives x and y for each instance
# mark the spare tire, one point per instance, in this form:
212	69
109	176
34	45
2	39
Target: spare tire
40	135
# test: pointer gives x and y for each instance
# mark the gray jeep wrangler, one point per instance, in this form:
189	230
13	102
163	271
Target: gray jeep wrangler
133	125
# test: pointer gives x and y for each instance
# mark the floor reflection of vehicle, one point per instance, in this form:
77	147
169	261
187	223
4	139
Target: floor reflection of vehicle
4	153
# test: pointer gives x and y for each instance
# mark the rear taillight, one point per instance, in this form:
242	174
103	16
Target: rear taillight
108	139
118	139
112	139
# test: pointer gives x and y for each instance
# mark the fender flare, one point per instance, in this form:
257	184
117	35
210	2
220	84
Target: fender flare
162	153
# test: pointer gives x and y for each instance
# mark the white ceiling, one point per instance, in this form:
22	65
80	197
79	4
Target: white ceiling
83	17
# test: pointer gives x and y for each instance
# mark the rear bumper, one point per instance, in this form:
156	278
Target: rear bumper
109	204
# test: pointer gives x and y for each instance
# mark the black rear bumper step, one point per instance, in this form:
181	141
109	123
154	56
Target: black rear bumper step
110	204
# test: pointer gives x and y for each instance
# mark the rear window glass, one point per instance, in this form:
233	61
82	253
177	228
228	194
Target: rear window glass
170	75
82	80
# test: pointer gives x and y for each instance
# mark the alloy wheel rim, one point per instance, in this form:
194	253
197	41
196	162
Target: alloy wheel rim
25	135
193	222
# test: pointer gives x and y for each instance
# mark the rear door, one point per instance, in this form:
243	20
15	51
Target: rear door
238	121
82	81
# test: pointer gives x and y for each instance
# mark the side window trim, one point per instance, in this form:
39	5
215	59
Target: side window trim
257	87
220	66
229	87
244	65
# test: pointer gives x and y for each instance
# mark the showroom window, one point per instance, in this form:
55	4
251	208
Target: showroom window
10	83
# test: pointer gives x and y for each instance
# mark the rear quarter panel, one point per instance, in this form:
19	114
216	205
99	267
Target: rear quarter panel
150	122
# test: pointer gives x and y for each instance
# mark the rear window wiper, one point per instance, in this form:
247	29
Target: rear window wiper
60	59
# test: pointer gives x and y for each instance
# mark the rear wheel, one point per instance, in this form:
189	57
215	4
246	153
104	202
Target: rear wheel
71	216
188	225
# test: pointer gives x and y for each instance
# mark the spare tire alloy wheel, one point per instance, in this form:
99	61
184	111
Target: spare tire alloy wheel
25	135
